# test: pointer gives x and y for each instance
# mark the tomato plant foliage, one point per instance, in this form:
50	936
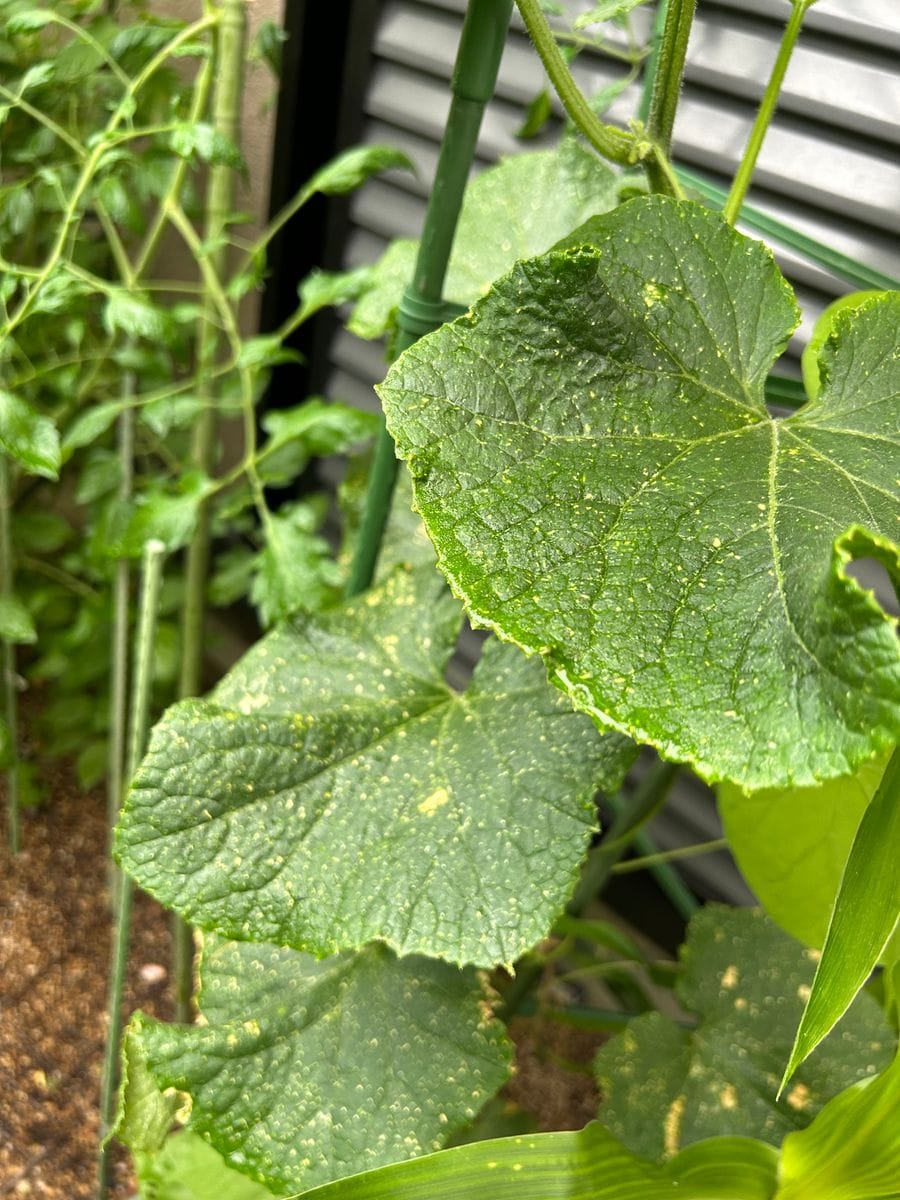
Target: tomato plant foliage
594	460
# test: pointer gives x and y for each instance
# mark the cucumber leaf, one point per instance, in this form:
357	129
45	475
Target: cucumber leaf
665	1087
308	1070
336	790
595	464
515	209
791	845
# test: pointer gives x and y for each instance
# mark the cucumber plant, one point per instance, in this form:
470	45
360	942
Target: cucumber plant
661	562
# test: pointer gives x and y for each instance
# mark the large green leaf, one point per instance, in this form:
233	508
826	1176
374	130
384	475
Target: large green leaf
513	210
665	1087
851	1151
587	1165
336	790
309	1070
593	459
865	915
791	845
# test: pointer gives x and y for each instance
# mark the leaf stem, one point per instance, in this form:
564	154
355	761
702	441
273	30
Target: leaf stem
669	72
151	576
10	696
765	113
664	856
607	140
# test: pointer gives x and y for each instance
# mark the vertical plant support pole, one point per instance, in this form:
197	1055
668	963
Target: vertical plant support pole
118	700
10	696
422	308
231	35
766	112
140	709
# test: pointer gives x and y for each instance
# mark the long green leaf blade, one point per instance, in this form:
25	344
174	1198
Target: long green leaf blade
587	1165
864	916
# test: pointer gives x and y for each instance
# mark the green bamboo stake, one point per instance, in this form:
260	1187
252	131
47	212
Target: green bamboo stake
10	695
765	113
151	573
422	308
231	34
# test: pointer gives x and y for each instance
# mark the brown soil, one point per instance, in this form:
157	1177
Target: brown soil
54	955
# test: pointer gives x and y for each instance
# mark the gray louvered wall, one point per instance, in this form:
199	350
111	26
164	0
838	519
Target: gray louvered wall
830	167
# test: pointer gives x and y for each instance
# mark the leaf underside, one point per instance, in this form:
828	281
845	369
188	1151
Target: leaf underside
595	464
310	1070
665	1087
336	790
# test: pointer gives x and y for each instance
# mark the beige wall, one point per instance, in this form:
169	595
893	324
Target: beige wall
260	89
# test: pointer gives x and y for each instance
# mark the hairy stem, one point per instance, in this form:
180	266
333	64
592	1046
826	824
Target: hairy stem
10	695
669	72
765	113
140	711
611	143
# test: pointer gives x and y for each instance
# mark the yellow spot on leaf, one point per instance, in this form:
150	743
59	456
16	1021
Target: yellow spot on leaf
436	800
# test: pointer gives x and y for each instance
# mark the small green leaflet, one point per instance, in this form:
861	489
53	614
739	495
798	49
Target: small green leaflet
665	1087
864	917
594	462
350	169
515	209
851	1151
27	437
336	790
791	845
295	571
309	1070
16	624
585	1165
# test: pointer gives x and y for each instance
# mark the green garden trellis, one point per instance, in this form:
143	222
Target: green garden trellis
422	308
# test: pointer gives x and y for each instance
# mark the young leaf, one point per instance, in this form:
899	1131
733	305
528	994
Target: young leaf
209	145
851	1151
353	167
864	917
594	461
664	1087
16	624
309	1070
167	517
321	289
792	845
606	11
336	790
90	425
587	1165
513	210
295	571
134	315
323	427
29	438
